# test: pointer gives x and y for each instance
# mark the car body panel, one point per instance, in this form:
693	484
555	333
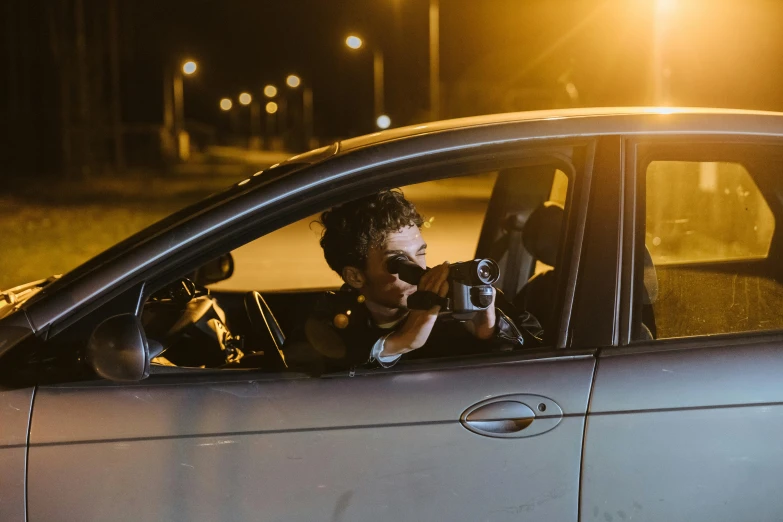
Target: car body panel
688	434
387	446
15	408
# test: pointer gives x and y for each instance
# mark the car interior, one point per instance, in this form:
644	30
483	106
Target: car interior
191	326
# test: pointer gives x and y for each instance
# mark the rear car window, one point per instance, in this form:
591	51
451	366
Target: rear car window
708	263
701	211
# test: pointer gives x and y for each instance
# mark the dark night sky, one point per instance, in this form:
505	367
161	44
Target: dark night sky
721	52
496	55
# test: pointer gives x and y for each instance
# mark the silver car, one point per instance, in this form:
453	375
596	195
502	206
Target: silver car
655	394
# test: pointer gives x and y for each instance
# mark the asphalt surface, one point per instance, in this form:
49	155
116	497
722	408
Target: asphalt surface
291	258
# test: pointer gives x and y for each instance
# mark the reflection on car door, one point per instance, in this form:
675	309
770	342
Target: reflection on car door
386	445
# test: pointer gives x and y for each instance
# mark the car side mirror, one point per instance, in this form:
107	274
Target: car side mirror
118	349
215	271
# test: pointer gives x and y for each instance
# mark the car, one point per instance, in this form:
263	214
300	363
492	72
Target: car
655	393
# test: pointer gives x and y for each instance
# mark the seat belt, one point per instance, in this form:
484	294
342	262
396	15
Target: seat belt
510	242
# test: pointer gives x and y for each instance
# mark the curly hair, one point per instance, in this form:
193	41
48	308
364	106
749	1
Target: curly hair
352	229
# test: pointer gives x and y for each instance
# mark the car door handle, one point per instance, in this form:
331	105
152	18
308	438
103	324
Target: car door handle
501	417
512	416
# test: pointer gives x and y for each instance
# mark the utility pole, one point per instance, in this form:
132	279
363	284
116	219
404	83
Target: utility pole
116	103
435	59
84	87
377	69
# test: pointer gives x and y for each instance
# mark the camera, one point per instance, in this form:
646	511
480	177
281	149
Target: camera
470	285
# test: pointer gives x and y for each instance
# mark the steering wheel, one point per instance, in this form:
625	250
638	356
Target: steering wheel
266	331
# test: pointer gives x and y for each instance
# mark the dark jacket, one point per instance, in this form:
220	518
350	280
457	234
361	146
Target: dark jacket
341	328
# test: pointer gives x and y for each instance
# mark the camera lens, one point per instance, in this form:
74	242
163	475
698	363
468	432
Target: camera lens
487	271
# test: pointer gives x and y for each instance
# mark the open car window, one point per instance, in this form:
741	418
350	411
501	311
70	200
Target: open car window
513	216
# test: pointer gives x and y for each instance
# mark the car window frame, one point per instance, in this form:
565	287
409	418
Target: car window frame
536	151
669	147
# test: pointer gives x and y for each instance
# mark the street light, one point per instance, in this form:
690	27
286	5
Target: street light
293	81
270	91
271	107
245	98
383	121
226	104
354	42
189	67
173	108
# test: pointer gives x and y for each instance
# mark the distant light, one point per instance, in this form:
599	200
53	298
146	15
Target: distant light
271	107
245	98
572	91
243	182
354	42
226	104
189	67
383	121
270	91
293	81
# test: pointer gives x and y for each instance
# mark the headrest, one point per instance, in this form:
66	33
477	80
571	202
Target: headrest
541	233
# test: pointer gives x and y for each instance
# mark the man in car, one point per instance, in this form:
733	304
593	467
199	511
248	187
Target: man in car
367	321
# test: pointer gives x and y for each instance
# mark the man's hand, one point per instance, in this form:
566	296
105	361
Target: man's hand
482	325
418	325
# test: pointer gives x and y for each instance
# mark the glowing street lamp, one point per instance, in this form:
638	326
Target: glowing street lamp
245	98
270	91
189	67
271	107
354	42
293	81
383	121
226	104
174	107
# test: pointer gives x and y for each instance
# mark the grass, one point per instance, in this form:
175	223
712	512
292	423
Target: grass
50	228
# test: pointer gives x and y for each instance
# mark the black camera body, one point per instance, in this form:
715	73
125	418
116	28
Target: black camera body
470	286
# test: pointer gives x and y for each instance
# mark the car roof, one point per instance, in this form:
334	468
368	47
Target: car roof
607	120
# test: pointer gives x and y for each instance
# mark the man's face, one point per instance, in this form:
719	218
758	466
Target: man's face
387	289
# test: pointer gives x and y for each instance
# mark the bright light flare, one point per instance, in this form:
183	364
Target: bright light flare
383	121
245	98
189	67
270	91
271	107
354	42
293	81
226	104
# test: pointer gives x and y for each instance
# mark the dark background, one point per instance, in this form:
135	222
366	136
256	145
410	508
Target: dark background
496	56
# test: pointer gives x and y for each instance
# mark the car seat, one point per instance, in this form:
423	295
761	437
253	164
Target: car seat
541	238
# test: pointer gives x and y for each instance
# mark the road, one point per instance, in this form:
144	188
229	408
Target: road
291	258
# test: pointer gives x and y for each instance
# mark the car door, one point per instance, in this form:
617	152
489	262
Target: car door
478	438
685	417
14	423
